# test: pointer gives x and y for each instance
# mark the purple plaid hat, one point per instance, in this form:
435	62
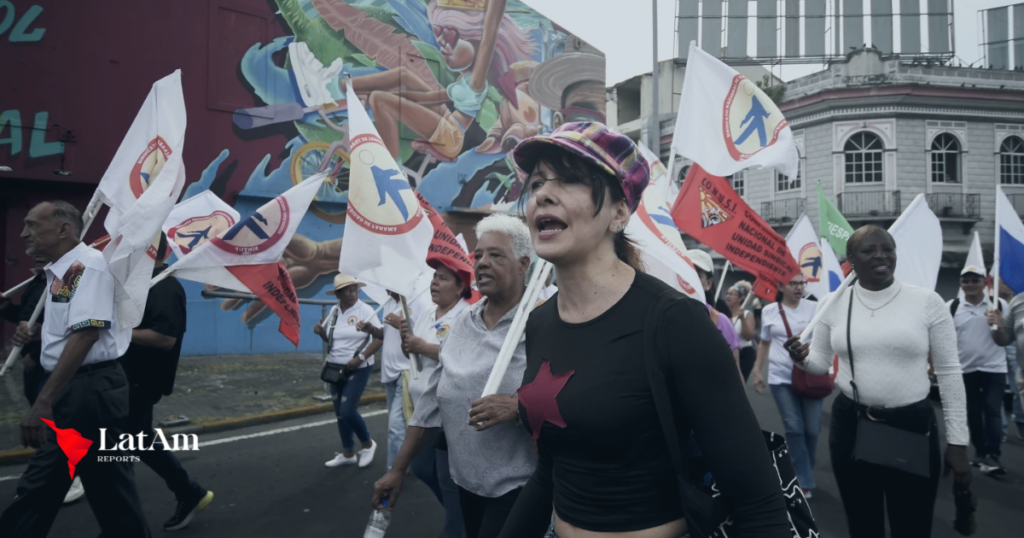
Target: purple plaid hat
593	141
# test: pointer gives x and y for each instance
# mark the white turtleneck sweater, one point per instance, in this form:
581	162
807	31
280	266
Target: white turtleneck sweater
890	350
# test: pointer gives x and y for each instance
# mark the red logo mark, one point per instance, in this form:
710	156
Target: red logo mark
72	443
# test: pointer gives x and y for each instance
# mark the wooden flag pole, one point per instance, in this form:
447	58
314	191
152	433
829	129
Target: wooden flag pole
414	359
721	281
515	332
90	215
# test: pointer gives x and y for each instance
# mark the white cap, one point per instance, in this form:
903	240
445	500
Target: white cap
980	271
701	259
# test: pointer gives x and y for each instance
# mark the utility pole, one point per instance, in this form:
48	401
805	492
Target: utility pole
654	124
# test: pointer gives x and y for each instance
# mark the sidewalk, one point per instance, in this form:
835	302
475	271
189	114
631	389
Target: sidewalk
211	389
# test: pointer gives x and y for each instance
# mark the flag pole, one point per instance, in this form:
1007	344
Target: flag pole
15	289
89	216
995	256
414	359
537	278
805	335
721	281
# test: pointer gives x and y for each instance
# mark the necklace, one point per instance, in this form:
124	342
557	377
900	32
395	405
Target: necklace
861	301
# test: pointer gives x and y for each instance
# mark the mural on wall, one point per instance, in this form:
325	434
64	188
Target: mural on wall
452	87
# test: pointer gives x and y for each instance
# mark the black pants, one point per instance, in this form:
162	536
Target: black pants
97	397
484	517
984	412
870	491
748	356
162	461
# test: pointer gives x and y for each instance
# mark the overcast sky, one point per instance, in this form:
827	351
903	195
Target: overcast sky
622	30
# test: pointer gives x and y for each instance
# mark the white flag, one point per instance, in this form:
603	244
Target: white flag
197	220
661	179
975	264
918	236
258	238
661	246
726	123
803	244
387	233
140	186
833	269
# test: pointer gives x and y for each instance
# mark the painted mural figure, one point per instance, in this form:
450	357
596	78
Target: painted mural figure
443	115
756	117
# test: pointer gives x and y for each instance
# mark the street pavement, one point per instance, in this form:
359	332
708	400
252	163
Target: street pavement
269	483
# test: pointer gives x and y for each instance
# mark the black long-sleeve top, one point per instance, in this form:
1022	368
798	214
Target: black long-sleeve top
604	463
16	313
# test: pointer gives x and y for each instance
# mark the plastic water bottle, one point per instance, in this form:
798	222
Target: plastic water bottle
379	521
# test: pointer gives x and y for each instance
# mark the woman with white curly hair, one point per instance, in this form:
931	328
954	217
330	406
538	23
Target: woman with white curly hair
491	457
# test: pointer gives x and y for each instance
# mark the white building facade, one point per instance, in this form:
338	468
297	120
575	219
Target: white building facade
876	131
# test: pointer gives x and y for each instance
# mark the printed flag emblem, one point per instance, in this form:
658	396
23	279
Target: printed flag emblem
149	165
392	207
750	119
710	212
258	231
197	230
810	262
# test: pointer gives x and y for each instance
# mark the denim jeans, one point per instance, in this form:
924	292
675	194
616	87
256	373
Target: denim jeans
801	418
396	418
346	407
985	411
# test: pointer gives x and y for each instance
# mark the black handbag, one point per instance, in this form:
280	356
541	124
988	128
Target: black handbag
878	442
707	513
336	373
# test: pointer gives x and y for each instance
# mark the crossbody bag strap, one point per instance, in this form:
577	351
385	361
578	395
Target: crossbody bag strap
849	344
695	503
785	322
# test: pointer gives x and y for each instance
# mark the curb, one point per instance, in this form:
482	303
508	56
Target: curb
19	455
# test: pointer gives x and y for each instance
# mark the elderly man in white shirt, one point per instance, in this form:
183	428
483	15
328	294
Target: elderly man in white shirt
87	390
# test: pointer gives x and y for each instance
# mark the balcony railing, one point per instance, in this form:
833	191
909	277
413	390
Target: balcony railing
957	206
868	204
1018	203
782	211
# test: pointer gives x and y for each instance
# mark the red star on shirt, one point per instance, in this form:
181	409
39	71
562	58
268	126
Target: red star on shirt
538	398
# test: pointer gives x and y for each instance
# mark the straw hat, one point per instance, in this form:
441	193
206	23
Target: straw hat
344	281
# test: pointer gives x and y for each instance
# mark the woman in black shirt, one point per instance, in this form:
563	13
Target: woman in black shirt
604	463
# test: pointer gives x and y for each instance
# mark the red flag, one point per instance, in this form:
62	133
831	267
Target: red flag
444	248
711	212
273	285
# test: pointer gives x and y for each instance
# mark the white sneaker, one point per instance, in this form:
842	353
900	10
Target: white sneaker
366	454
75	492
340	459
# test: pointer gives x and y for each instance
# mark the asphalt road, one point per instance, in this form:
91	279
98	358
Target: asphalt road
275	485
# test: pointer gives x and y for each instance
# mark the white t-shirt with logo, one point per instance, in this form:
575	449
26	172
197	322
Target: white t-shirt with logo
80	294
780	366
393	361
433	331
347	340
978	352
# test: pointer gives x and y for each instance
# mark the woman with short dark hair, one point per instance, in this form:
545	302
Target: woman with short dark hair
884	332
586	373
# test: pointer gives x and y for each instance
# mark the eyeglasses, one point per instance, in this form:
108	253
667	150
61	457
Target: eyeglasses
795	284
970	281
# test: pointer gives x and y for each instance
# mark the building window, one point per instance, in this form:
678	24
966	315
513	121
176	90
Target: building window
682	176
783	183
863	156
945	159
1011	161
739	182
